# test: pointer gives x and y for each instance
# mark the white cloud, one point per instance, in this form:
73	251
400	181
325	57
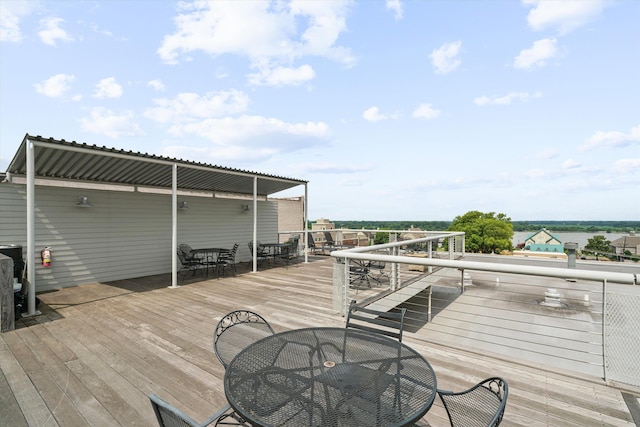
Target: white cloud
106	122
535	173
625	166
426	111
282	76
573	167
547	154
332	168
265	32
50	31
249	138
570	164
156	85
565	16
108	88
445	59
613	139
396	7
11	12
506	99
186	107
55	86
373	115
537	55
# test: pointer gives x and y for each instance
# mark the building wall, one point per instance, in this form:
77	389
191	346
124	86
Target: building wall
124	234
290	216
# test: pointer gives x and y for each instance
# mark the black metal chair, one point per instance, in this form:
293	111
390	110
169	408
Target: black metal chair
387	323
261	254
482	405
235	331
188	252
359	273
289	252
170	416
227	258
189	265
313	246
333	244
378	272
330	242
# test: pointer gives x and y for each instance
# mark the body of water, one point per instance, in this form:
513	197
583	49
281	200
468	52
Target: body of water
576	237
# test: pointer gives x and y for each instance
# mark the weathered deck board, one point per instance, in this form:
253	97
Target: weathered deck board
97	351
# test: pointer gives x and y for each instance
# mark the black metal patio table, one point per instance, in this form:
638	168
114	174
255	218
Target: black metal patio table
330	377
275	249
210	256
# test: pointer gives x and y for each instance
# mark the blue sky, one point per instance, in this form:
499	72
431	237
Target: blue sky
396	110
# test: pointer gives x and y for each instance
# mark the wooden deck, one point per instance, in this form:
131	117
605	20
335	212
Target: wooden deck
97	351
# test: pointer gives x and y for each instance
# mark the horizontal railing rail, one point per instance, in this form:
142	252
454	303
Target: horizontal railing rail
572	318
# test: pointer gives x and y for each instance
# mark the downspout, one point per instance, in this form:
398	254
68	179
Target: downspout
174	225
31	225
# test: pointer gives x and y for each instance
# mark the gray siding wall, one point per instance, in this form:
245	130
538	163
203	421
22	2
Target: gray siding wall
125	234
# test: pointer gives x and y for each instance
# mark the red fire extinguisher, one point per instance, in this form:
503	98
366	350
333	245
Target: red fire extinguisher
45	255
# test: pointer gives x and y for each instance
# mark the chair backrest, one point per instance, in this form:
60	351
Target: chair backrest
170	416
230	255
481	405
310	242
295	241
329	238
186	250
259	249
235	331
182	258
387	323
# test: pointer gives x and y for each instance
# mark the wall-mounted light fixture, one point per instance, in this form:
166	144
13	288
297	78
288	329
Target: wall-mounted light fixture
245	208
83	202
183	206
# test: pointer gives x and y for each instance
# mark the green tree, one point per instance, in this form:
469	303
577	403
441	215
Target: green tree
484	232
381	238
597	245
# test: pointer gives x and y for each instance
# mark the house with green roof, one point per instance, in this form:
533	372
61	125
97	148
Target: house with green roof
543	241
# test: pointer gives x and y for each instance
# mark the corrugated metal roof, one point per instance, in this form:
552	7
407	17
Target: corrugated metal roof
60	159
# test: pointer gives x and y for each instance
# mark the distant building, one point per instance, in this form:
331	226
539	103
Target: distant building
322	224
347	238
416	233
629	243
543	241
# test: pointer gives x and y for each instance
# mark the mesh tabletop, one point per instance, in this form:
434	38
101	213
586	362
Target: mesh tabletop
330	377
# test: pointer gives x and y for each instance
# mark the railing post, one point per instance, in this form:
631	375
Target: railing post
452	244
604	329
340	285
393	281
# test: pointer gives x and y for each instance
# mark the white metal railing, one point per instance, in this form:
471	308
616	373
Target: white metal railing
589	323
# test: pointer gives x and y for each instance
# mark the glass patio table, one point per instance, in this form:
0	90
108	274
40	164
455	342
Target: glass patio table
329	377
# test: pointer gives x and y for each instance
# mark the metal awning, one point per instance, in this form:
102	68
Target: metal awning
60	159
48	158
